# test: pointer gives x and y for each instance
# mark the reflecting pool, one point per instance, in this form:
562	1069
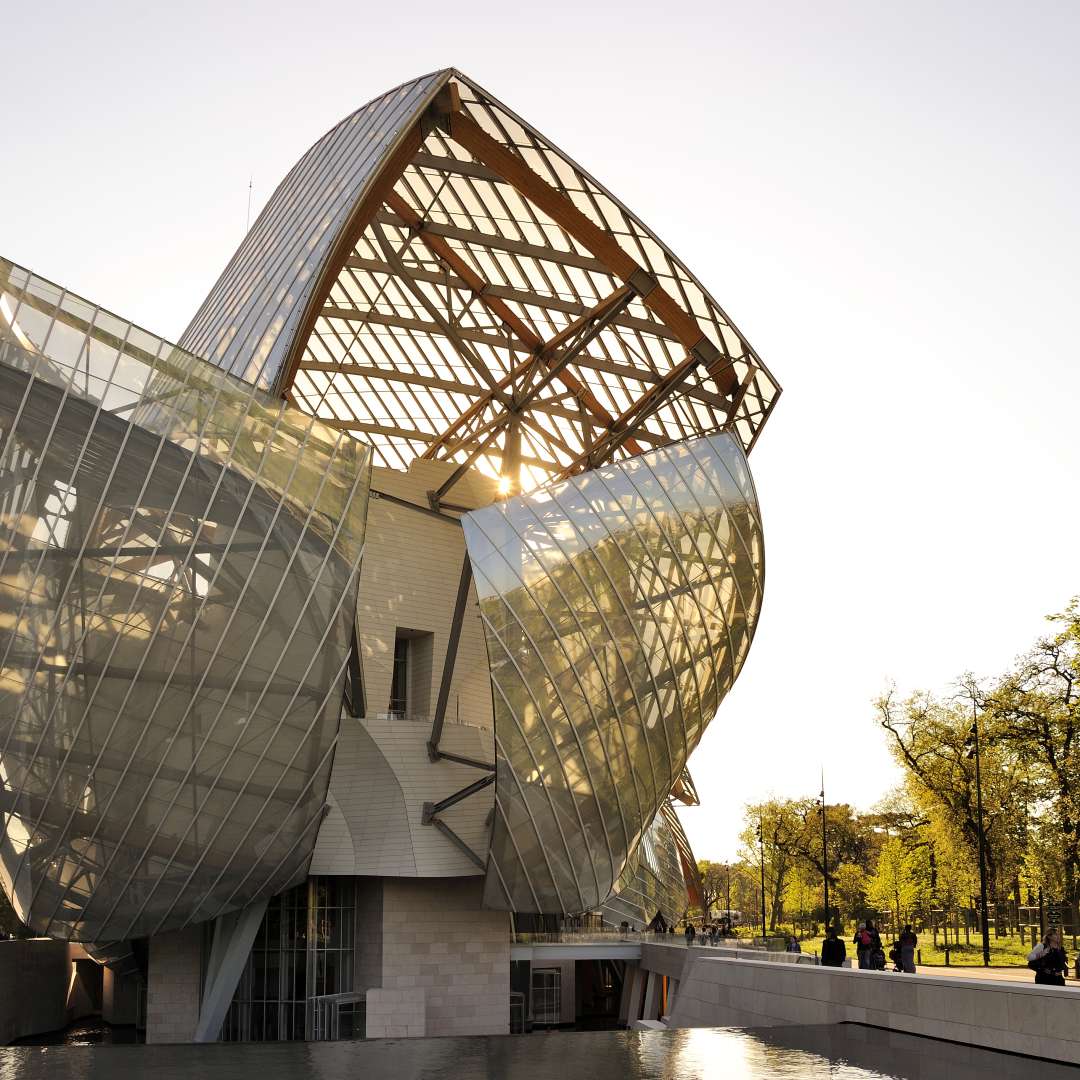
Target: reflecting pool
835	1052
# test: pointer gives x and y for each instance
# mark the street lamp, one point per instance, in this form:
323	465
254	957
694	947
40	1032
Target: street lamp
824	853
982	830
761	849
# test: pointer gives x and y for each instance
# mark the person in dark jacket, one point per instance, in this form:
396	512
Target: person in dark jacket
833	952
1048	960
691	933
908	942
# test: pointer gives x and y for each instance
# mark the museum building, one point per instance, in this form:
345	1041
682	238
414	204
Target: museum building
377	618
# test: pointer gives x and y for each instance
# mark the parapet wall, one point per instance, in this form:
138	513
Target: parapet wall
1024	1019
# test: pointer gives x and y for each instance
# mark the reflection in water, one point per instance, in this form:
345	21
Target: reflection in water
826	1052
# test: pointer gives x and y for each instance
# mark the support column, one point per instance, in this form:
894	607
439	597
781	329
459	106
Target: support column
234	935
673	986
629	980
652	997
637	989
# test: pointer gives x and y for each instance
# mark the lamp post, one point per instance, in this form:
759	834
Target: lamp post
982	830
761	849
727	888
824	853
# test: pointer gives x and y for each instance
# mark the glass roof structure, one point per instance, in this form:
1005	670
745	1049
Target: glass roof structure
438	279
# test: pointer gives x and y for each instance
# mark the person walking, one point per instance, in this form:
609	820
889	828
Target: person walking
1048	960
909	941
793	945
863	942
876	959
833	952
691	933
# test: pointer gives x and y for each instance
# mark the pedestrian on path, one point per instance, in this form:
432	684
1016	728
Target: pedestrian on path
691	933
909	941
833	952
864	944
1048	960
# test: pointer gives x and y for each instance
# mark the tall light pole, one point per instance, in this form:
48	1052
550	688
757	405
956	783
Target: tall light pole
824	853
982	830
761	849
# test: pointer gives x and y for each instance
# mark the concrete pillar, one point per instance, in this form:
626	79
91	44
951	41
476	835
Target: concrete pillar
652	997
173	987
234	935
629	977
637	989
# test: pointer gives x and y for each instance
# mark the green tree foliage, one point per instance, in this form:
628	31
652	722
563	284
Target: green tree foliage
900	880
1034	714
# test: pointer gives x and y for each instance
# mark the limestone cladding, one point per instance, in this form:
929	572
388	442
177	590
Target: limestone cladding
382	775
173	990
1024	1019
396	1014
438	939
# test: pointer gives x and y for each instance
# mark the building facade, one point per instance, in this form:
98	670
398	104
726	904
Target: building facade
385	608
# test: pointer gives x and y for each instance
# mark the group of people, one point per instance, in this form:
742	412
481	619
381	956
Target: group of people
869	951
710	932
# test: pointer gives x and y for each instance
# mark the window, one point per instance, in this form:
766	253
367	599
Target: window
302	956
547	995
399	680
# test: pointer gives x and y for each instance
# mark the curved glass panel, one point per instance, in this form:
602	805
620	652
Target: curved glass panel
654	880
178	557
618	609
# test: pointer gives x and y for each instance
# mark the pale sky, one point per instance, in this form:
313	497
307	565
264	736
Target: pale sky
883	197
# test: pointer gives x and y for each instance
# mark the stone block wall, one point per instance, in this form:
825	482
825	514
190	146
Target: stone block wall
1020	1018
395	1014
436	937
174	986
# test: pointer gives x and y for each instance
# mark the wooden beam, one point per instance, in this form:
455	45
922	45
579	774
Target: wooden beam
490	152
388	374
548	356
481	337
500	243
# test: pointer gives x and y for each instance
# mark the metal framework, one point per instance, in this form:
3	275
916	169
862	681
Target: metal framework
470	294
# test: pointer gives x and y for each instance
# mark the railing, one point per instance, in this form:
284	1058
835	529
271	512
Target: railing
732	948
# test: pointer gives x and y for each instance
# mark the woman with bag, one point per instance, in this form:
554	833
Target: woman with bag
1048	960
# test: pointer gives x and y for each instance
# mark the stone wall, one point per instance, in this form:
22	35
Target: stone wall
1017	1017
436	937
174	986
34	980
396	1014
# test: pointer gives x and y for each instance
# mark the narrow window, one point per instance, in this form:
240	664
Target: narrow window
399	681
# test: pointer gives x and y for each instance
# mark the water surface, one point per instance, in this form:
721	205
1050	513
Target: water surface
825	1052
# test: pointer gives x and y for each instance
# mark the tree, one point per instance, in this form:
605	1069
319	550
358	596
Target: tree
715	884
1034	711
931	739
781	823
899	880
